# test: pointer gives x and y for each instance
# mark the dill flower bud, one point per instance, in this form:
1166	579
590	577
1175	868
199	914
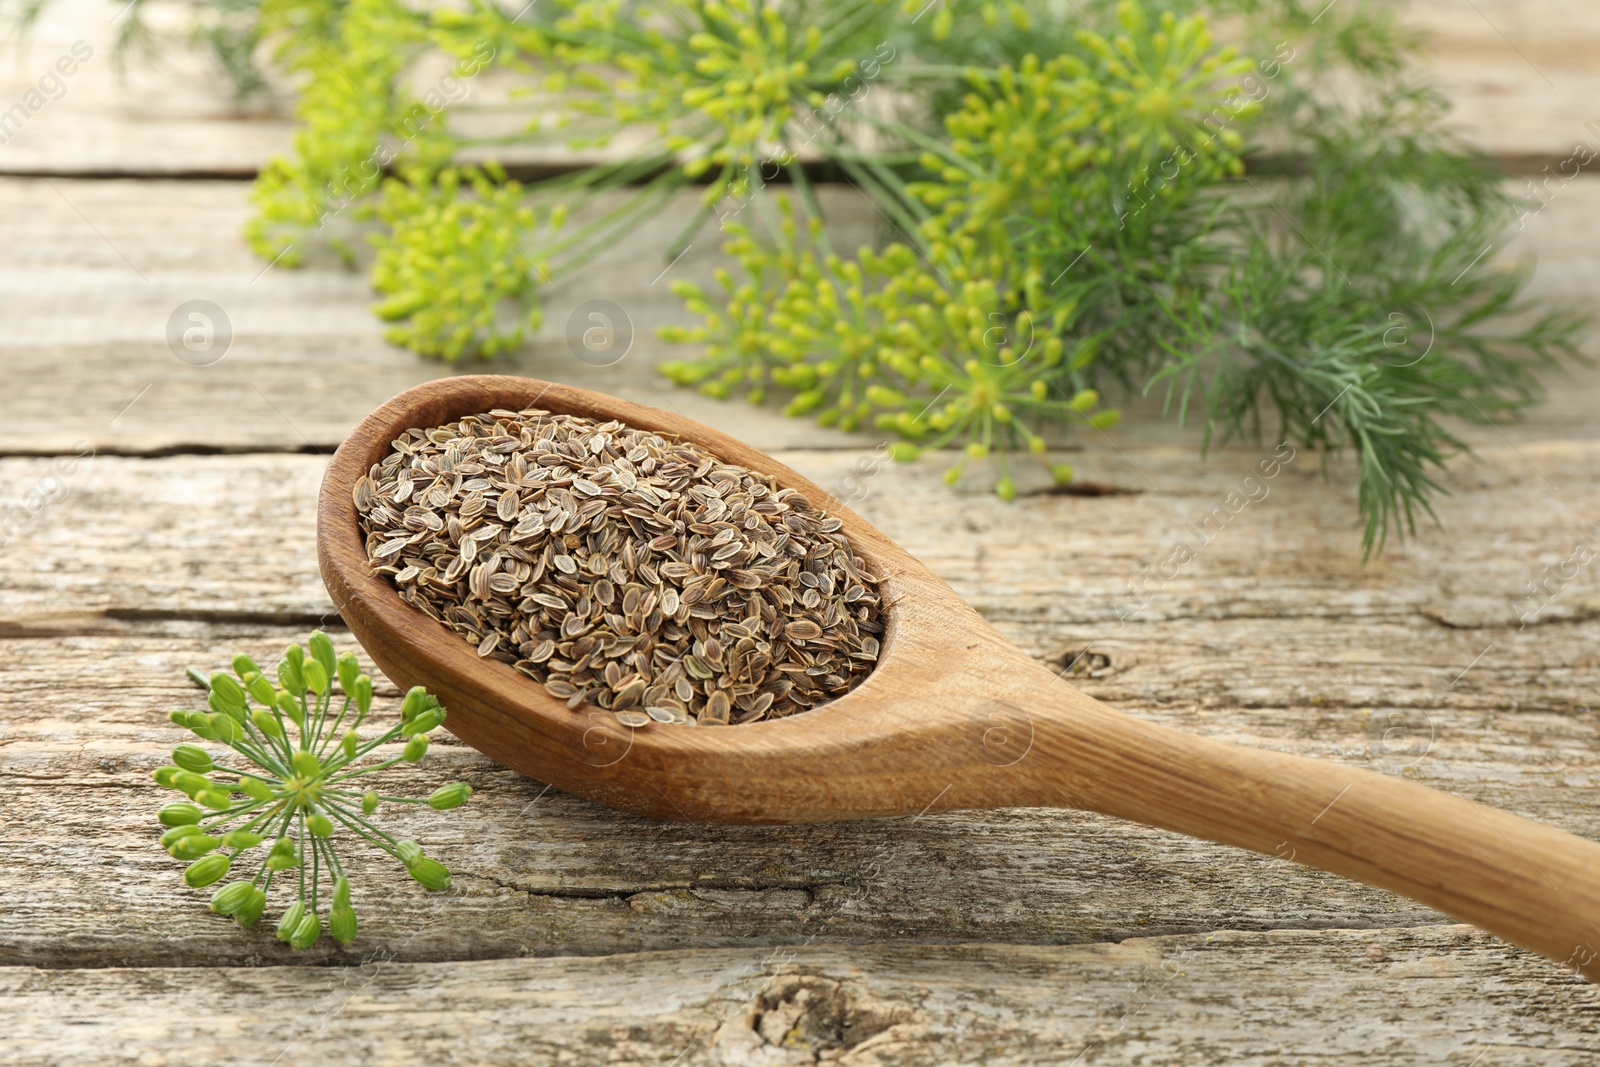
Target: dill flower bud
266	722
428	720
289	704
191	783
342	918
283	855
255	788
250	912
231	897
243	665
416	699
225	728
188	719
200	725
306	764
167	776
261	689
415	748
319	825
348	744
342	923
289	675
430	873
192	758
315	675
181	831
306	932
227	696
349	671
290	920
321	646
369	802
193	846
179	815
449	796
241	839
204	872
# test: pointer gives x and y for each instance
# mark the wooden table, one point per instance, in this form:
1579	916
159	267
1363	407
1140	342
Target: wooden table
575	935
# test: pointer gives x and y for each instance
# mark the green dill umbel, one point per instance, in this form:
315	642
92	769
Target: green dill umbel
1272	232
1086	227
292	788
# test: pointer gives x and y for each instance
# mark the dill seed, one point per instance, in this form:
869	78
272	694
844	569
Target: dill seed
622	568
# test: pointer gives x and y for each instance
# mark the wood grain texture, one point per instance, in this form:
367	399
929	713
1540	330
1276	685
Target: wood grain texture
223	535
1272	636
543	872
174	115
951	711
113	571
1520	75
1436	996
100	266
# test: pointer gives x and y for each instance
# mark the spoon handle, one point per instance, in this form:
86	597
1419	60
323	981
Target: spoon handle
1531	884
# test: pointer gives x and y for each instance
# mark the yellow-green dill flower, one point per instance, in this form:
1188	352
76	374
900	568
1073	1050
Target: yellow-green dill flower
293	771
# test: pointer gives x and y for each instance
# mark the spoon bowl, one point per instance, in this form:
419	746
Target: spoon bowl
952	716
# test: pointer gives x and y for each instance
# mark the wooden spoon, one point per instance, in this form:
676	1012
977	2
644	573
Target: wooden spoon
953	716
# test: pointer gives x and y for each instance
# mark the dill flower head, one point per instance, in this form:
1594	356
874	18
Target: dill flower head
288	792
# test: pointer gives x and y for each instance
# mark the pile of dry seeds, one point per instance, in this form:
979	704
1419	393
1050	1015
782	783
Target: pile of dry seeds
621	568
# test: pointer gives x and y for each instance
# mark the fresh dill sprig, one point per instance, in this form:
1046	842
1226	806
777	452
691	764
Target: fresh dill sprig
966	337
1275	232
1086	226
706	90
291	787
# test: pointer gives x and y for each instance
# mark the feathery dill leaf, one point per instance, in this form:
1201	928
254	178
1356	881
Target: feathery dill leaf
1071	212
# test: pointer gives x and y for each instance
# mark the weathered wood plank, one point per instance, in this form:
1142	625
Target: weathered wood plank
539	873
173	115
149	566
547	873
1298	650
233	536
1521	77
236	534
100	276
1440	995
100	266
